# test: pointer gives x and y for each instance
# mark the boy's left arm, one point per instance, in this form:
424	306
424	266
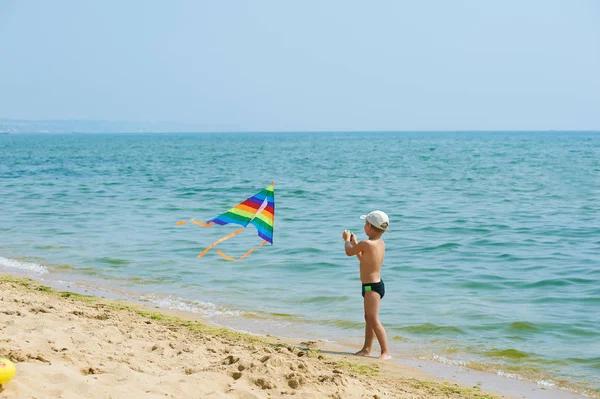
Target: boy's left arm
355	249
354	242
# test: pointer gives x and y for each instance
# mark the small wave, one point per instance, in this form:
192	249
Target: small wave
532	268
558	282
466	230
556	299
593	362
507	353
193	190
321	299
496	226
448	245
546	383
49	247
479	285
429	328
506	374
522	372
167	208
186	194
509	257
347	324
148	280
523	326
298	192
445	360
69	268
111	261
26	266
272	316
284	315
176	303
303	250
486	242
533	374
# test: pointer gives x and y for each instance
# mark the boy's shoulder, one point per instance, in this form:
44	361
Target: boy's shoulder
372	243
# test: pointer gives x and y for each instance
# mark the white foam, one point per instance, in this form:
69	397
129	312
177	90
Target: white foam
205	308
501	373
514	376
26	266
328	341
543	383
445	360
546	383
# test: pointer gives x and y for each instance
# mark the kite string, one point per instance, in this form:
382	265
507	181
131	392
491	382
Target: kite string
220	240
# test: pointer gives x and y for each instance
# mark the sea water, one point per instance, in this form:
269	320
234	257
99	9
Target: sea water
493	260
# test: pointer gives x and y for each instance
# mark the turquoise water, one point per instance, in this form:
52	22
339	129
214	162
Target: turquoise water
493	259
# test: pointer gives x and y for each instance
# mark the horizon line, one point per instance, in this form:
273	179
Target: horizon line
324	131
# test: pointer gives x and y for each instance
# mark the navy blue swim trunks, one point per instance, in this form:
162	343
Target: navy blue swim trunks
377	287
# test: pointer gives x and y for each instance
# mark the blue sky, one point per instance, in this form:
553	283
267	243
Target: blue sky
305	65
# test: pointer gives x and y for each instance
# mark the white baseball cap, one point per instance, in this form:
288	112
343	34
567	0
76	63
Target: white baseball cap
378	219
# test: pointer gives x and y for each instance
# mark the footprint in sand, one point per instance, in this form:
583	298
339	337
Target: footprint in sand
264	383
230	360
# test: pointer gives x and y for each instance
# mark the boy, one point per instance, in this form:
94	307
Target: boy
370	254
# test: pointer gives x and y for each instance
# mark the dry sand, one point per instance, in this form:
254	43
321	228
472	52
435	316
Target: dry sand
66	345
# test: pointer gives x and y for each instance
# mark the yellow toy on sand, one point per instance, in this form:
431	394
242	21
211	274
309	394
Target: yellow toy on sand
7	370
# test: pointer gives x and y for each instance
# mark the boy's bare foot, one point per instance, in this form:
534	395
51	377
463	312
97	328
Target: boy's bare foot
363	352
384	356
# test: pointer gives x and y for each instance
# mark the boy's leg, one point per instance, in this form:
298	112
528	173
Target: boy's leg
372	301
369	336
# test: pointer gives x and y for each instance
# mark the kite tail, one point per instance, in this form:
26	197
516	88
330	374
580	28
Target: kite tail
196	222
244	255
220	240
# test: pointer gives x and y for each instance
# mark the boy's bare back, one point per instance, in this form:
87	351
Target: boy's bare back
371	259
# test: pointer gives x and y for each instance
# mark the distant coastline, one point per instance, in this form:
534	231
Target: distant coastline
66	126
92	126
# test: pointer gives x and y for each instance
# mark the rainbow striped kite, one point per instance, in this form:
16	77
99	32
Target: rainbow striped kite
258	210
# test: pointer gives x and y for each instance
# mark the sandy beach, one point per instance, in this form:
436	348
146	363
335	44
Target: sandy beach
65	345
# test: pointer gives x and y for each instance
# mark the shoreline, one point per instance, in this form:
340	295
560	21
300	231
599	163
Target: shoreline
66	345
398	369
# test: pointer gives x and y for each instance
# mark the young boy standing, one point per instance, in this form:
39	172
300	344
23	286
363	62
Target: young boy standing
370	254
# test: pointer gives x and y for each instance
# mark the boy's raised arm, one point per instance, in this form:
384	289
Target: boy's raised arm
354	242
355	249
351	246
